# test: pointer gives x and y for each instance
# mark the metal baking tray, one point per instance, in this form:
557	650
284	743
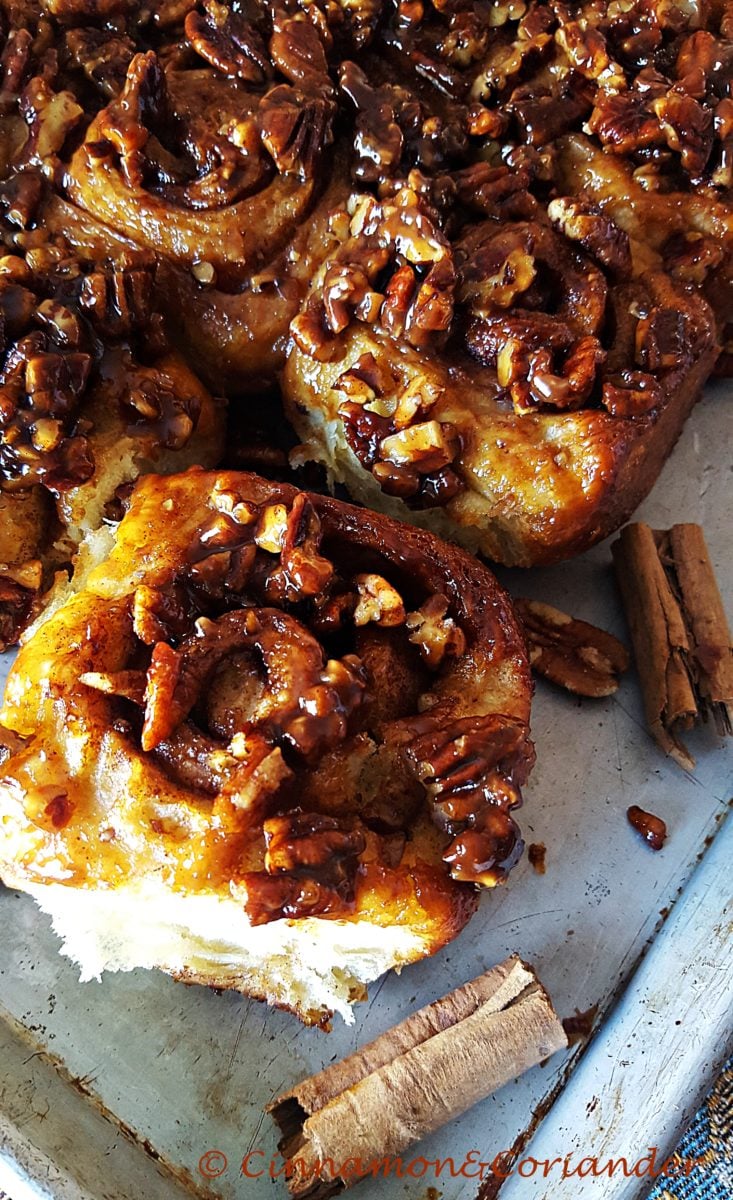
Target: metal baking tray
125	1088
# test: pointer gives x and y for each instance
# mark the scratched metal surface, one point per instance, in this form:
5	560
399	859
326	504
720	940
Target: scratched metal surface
144	1073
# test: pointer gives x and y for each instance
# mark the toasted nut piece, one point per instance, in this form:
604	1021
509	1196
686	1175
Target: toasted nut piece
435	634
574	654
130	684
424	445
271	528
227	501
378	602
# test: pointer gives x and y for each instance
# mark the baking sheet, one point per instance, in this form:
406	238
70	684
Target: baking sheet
182	1071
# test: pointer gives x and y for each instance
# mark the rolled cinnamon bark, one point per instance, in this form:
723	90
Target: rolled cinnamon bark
679	630
415	1078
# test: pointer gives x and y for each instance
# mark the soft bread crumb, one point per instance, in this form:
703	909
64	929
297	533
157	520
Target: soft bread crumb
311	966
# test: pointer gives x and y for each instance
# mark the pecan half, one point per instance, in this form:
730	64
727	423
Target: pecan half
572	653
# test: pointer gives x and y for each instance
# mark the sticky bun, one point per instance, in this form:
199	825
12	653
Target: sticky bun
91	395
269	742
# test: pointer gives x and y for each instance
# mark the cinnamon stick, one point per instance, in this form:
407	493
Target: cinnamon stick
679	630
414	1078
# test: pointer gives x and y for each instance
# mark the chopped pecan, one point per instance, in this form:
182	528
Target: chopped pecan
487	336
311	863
303	573
435	633
20	589
103	56
572	653
472	771
687	128
583	221
306	703
378	601
533	380
228	42
631	393
127	684
50	116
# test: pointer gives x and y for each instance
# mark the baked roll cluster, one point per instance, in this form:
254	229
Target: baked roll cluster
282	735
484	250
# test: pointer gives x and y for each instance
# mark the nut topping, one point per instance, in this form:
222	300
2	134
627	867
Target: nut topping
435	633
378	601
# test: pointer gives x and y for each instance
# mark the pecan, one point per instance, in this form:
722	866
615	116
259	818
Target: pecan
103	56
690	257
583	221
123	125
311	863
303	572
127	684
426	447
50	116
650	827
119	299
533	381
304	842
19	595
585	46
252	785
435	633
631	393
472	771
663	336
378	142
20	197
623	123
544	114
295	129
572	653
378	601
487	336
228	42
297	51
687	128
160	614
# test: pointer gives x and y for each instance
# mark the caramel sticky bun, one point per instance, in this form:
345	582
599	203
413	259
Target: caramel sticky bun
91	395
269	742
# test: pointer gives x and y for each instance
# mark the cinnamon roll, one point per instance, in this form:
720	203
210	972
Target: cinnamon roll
515	387
213	148
269	742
